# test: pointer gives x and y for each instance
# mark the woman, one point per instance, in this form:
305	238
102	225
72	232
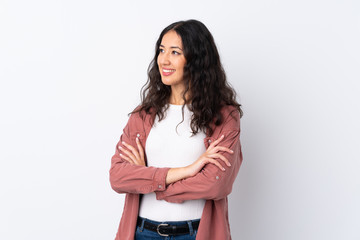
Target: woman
180	151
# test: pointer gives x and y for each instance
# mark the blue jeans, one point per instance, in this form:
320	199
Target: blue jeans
144	234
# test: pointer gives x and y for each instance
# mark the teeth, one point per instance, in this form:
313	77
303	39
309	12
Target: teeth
167	71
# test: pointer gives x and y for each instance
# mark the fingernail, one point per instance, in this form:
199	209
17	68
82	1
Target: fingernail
229	164
120	147
123	142
222	135
137	139
120	154
231	151
223	169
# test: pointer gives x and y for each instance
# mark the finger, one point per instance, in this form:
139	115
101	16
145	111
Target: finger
132	157
134	153
126	158
222	157
141	150
128	153
214	143
216	163
218	155
217	141
132	149
136	162
220	148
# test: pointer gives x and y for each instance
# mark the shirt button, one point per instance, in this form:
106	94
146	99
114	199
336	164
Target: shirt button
160	186
138	135
217	177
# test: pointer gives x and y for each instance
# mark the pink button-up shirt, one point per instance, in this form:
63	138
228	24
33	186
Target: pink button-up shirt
210	183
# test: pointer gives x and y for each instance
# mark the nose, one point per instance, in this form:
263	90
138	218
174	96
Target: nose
164	59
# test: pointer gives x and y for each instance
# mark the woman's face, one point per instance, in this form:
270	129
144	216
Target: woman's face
171	60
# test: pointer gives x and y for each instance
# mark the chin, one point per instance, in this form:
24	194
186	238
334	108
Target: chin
167	82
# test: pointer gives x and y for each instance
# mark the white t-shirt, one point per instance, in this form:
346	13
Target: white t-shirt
166	147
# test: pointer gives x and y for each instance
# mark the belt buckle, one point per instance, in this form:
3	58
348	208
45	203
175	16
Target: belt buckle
157	229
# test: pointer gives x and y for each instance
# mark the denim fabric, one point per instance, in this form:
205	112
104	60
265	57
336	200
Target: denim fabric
144	234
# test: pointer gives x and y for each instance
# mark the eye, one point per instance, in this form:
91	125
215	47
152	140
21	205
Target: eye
175	52
161	50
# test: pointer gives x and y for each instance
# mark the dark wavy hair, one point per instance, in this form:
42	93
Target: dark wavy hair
204	79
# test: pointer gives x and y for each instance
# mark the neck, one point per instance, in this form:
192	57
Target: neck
176	96
176	101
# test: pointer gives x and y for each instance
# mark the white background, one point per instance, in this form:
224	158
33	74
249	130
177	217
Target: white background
71	71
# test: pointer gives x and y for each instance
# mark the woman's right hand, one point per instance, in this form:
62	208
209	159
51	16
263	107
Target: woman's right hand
211	156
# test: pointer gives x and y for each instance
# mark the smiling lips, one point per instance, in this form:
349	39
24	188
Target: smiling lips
167	71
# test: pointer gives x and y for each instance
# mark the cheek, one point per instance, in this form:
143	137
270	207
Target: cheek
182	67
180	64
183	63
158	61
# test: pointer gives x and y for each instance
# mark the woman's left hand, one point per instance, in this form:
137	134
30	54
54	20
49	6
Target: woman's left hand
133	156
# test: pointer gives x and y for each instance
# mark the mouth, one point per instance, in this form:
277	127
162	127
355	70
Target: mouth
167	71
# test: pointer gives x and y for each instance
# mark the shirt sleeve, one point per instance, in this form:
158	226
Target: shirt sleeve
210	182
129	178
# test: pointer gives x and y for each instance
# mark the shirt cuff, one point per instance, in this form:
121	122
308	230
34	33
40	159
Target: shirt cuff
159	195
160	179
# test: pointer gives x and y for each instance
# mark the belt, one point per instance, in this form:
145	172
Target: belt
164	229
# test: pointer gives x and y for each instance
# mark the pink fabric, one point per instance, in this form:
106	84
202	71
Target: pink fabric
210	183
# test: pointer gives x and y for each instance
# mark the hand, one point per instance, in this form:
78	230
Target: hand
133	156
210	156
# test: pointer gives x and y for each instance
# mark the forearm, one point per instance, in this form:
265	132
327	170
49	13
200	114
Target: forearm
176	174
210	182
129	178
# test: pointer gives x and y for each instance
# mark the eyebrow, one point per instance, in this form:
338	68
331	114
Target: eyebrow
171	47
